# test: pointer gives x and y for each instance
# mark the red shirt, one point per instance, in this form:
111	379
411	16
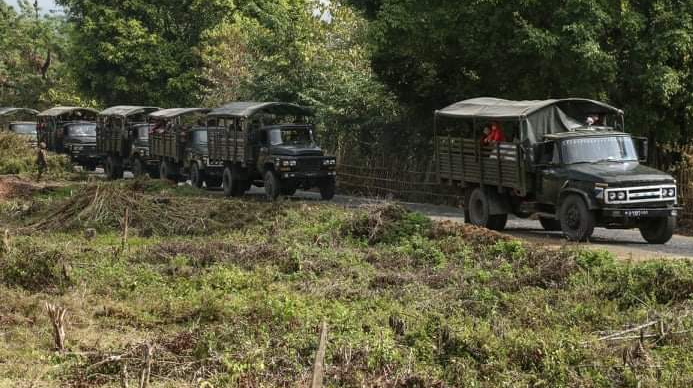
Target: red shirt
495	136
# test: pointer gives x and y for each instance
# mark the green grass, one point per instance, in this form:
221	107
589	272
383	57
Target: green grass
408	302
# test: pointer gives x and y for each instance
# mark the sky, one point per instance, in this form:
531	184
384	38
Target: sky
45	5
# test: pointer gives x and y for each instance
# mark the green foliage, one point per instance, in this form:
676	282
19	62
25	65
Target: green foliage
436	305
33	68
141	51
19	158
634	54
35	269
301	51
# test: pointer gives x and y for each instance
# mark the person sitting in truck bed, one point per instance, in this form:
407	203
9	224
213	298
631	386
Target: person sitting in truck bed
493	134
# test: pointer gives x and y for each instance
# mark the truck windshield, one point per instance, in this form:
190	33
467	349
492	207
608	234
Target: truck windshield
82	130
598	149
199	137
290	135
24	129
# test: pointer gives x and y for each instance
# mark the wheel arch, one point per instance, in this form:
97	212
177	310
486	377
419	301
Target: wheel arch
591	203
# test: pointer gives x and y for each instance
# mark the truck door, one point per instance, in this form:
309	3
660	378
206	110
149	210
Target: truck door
549	177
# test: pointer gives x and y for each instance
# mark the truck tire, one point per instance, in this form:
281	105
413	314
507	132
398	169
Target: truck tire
479	212
550	224
577	221
272	186
327	189
658	230
232	186
138	168
197	178
113	169
166	172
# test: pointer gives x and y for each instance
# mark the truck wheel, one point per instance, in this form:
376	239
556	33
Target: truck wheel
327	189
550	224
479	212
658	230
166	172
272	186
577	221
232	187
112	169
138	169
196	176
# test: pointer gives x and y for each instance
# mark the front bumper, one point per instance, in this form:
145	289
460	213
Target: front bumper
640	213
84	154
306	174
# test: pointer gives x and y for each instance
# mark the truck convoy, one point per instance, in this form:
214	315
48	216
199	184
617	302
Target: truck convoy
567	162
21	121
122	141
270	145
178	143
70	131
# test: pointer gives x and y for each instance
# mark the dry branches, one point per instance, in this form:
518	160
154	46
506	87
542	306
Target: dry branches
57	315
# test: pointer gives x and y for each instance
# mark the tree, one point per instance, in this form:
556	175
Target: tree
634	53
304	52
32	54
142	52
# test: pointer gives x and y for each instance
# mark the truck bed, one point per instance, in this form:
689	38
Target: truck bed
225	145
464	161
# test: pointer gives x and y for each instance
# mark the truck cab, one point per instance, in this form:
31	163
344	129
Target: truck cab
79	142
291	153
25	129
53	126
270	145
568	162
604	170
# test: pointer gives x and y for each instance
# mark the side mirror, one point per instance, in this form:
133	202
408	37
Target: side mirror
642	148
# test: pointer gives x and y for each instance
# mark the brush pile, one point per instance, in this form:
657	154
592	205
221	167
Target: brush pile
102	207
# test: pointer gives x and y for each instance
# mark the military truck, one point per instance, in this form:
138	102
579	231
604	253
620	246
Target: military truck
21	121
54	128
270	145
122	140
178	141
567	162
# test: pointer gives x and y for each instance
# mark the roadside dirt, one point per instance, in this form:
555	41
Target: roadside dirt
13	187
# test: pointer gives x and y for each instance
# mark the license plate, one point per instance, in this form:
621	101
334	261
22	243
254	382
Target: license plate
636	213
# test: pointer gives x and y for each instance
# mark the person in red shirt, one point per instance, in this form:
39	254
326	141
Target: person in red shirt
493	134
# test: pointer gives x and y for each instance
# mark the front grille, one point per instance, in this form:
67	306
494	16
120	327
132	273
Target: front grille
307	165
629	195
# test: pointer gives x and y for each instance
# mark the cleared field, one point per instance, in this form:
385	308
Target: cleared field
234	292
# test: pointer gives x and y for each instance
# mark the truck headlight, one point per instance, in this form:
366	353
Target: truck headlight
670	193
621	195
287	163
612	196
329	162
